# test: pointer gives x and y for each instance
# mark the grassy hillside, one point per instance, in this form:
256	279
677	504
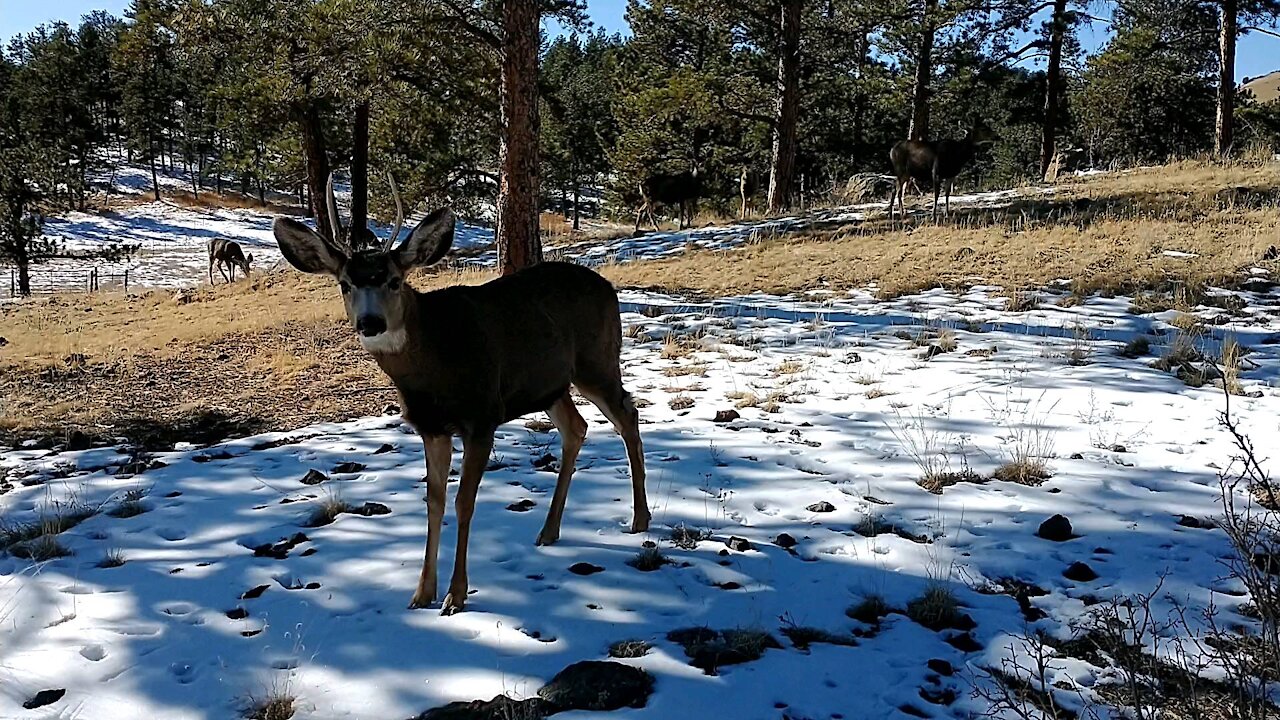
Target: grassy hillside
1265	88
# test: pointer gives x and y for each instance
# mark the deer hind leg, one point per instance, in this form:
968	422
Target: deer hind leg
573	430
439	451
475	456
615	402
222	269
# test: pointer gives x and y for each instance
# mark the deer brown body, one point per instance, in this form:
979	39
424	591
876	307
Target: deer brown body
228	256
467	359
670	190
936	163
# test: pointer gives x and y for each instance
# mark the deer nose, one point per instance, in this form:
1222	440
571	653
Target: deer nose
370	325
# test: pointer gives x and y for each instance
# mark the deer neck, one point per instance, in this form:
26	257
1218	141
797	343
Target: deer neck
401	352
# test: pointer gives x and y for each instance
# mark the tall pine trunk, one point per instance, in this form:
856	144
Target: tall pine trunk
155	182
786	112
360	172
518	243
924	73
1052	86
317	158
1228	29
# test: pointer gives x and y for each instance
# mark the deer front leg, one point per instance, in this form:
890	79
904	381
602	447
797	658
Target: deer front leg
439	450
475	456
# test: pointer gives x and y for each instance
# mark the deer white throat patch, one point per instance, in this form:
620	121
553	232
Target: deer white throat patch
388	342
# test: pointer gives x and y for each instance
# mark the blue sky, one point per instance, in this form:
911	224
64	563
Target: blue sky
1258	54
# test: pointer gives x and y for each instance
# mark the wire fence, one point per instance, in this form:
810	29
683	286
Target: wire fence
46	281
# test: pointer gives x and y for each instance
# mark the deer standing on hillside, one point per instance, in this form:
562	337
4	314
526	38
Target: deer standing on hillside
934	162
467	359
680	190
228	256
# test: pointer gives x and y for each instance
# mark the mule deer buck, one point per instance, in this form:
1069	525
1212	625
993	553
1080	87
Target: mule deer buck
228	256
680	190
467	359
934	162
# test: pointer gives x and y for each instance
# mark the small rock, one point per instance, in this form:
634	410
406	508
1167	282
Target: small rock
347	468
391	409
784	541
4	341
965	643
724	416
1188	521
598	685
544	461
940	666
1077	456
585	568
369	509
238	613
822	507
524	505
254	593
1118	448
384	448
499	708
1080	572
722	553
78	441
1056	529
738	544
44	697
182	297
314	477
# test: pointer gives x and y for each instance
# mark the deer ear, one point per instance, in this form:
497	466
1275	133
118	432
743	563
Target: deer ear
306	249
428	242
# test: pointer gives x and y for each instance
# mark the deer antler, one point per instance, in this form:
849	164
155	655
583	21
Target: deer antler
335	220
395	193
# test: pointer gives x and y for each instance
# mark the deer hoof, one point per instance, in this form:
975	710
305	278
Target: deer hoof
451	606
547	537
422	600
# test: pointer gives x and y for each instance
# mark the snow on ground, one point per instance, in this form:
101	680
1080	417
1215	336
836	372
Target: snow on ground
173	243
173	239
171	634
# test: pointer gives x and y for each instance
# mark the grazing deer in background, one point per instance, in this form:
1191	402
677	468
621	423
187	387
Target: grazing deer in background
934	162
748	186
467	359
680	190
228	256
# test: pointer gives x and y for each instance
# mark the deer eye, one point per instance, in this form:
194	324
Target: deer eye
394	284
344	286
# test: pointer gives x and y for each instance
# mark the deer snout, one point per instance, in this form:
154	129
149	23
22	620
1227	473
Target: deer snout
371	325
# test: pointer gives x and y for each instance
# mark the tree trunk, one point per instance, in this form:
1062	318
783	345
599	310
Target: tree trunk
360	172
518	243
924	73
786	109
24	276
155	182
317	159
1228	30
1052	86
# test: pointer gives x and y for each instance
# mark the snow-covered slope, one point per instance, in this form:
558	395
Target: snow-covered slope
835	408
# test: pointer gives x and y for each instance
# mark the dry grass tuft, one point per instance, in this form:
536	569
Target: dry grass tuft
112	559
680	402
649	559
327	509
1138	347
277	706
871	610
937	608
629	649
